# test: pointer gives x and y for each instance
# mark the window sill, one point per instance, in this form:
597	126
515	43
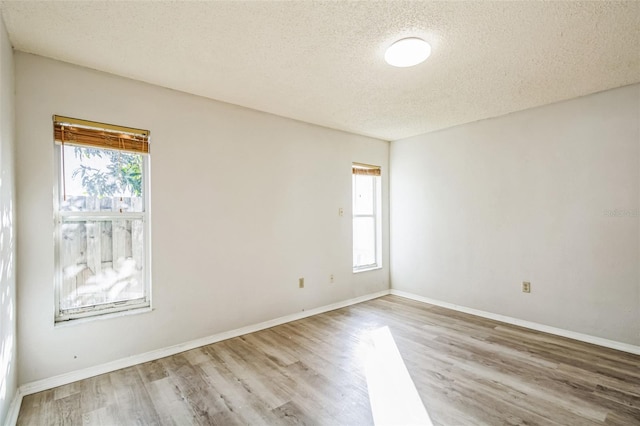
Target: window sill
373	268
75	321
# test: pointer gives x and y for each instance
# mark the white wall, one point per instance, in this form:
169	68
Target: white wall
8	367
479	208
243	203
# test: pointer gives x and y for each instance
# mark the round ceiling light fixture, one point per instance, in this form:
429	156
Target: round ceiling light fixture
407	52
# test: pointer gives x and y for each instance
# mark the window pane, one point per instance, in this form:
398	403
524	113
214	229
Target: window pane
101	180
102	262
364	242
363	190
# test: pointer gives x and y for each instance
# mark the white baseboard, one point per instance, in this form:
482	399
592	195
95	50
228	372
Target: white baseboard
625	347
63	379
14	409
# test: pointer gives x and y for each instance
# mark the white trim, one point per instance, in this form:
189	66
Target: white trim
372	268
612	344
377	221
60	216
73	376
111	314
79	216
14	409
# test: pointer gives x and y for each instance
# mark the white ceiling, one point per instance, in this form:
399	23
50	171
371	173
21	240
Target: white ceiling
322	62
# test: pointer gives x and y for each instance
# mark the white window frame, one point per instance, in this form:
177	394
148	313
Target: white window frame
377	218
141	304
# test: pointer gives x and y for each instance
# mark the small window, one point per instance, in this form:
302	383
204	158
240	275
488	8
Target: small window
102	218
367	193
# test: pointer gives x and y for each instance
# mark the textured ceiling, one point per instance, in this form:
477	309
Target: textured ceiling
322	62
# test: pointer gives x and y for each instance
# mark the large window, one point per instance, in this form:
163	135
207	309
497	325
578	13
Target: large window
102	218
366	217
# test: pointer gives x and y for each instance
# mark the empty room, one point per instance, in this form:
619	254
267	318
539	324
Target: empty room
320	213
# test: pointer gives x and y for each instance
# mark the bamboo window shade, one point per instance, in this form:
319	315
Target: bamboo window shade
365	169
100	135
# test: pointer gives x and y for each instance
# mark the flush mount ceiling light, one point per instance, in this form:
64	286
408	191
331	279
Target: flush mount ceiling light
407	52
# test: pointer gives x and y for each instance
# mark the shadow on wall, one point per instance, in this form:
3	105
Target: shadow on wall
7	296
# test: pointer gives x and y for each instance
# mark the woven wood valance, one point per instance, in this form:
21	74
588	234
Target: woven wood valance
365	169
100	135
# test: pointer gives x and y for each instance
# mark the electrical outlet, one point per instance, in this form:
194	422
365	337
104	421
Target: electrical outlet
526	287
340	211
301	282
331	278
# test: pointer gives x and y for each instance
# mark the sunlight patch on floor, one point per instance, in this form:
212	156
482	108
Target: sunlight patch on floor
392	394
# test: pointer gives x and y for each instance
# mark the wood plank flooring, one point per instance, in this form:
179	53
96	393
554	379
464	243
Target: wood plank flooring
467	370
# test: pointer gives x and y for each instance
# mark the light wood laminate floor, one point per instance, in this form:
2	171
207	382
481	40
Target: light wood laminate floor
467	370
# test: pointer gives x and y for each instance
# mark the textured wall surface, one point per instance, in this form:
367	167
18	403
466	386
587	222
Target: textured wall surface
8	347
548	195
243	204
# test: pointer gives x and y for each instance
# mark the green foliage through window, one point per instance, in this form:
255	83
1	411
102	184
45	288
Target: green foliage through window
123	172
